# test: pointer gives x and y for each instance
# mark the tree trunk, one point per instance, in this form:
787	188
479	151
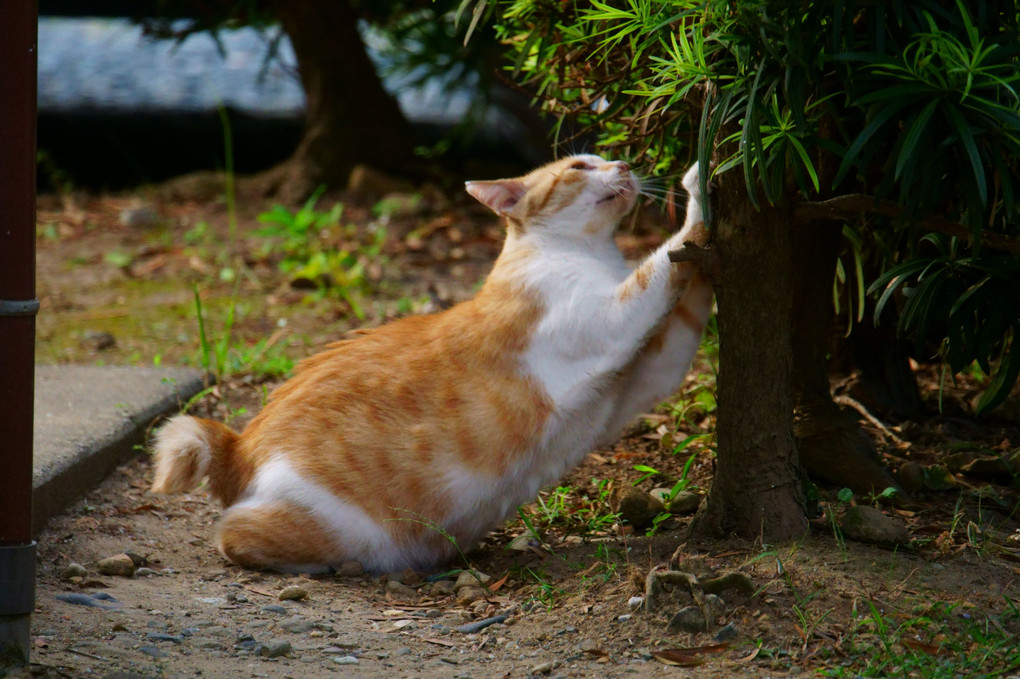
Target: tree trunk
831	443
886	384
757	490
350	118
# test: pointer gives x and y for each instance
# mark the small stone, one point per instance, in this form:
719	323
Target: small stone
292	593
467	595
346	660
350	569
411	577
275	649
74	570
911	476
690	619
120	564
433	613
297	625
685	503
403	650
635	602
624	618
97	340
525	542
400	590
870	525
471	579
151	651
145	572
543	668
442	588
638	508
141	217
727	633
274	608
163	636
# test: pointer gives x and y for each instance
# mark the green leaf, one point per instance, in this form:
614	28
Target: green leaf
966	137
913	136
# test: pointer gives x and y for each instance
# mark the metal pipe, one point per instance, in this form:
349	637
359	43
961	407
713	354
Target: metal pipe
18	30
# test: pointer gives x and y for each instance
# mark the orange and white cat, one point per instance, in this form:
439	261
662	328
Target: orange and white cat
444	423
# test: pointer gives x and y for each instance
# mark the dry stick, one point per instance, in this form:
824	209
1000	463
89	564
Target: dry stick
851	204
859	407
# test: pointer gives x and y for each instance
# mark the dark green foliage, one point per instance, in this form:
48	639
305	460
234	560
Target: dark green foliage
910	106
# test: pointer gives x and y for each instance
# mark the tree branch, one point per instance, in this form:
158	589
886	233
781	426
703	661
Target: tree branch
849	205
704	258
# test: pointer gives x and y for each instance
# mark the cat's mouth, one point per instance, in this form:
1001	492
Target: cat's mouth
621	193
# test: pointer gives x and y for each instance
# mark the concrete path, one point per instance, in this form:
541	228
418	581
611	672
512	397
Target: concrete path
90	419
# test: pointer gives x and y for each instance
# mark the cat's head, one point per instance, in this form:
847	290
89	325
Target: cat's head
581	194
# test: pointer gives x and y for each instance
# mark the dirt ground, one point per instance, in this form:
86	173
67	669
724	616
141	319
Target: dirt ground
118	277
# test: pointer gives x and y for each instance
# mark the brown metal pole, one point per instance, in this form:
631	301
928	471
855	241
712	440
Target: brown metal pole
18	30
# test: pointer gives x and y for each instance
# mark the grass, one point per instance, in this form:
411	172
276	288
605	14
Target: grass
932	641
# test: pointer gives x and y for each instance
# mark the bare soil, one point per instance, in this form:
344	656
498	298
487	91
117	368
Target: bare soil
118	278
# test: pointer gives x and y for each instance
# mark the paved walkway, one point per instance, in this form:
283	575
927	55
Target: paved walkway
90	419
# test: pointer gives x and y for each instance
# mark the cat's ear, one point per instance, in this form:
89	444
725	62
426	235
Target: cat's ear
499	195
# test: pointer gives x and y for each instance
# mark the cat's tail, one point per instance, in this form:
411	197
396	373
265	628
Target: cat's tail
190	448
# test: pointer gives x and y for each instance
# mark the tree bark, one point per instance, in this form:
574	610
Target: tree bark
757	490
831	443
350	118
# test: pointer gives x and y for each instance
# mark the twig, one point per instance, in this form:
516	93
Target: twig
851	204
859	407
87	655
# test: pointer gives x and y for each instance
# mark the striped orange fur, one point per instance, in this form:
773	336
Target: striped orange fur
388	445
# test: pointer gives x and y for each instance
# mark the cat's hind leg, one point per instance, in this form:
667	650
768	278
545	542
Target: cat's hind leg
279	536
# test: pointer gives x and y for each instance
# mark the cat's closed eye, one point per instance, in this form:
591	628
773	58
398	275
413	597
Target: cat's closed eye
581	165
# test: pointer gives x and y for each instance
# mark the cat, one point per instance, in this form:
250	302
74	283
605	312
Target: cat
385	446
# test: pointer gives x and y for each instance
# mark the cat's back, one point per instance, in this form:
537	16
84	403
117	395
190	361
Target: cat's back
423	389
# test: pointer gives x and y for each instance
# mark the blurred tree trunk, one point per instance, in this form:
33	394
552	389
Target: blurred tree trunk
757	490
350	118
832	445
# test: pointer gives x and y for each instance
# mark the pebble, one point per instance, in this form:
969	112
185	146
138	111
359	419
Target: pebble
151	651
638	508
625	617
685	502
141	217
275	649
145	572
467	595
163	636
274	608
350	569
433	613
346	660
471	579
635	602
400	589
119	564
543	668
689	619
297	625
442	588
74	570
293	593
870	525
403	650
479	625
727	633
